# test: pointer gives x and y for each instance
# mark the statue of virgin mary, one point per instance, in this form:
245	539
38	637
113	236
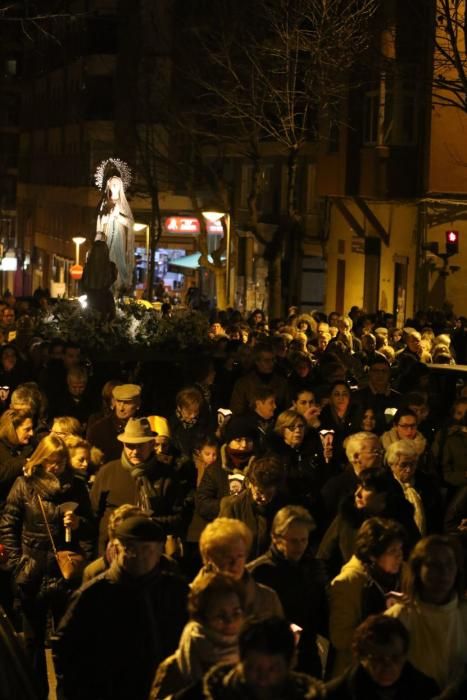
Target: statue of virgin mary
115	220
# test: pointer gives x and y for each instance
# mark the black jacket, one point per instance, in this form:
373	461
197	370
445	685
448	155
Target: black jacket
338	543
24	534
65	404
214	486
103	434
115	632
12	460
301	587
356	684
304	474
186	438
258	518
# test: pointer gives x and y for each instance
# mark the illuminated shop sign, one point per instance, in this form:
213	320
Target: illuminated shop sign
186	224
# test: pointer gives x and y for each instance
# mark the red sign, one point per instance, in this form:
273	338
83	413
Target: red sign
181	224
76	272
186	224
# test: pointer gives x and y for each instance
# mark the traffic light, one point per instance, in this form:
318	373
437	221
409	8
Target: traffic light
452	242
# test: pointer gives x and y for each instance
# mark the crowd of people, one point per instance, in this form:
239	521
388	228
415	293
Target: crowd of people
293	525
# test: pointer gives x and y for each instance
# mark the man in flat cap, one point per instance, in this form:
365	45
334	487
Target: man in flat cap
123	623
136	477
126	402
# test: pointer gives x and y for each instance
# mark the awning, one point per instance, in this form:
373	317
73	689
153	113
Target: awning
188	262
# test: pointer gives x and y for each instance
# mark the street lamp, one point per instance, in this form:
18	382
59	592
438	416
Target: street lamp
78	240
139	226
213	217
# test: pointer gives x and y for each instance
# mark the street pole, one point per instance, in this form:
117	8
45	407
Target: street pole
227	259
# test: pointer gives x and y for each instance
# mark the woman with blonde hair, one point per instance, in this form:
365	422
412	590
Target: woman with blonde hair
63	426
47	492
80	456
224	546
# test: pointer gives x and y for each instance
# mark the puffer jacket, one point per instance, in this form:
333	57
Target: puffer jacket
24	534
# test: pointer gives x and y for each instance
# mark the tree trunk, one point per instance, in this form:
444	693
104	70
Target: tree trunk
275	286
294	233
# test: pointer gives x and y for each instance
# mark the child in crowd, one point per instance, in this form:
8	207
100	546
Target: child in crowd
205	453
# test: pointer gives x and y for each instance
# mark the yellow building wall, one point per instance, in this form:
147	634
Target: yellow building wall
400	220
448	151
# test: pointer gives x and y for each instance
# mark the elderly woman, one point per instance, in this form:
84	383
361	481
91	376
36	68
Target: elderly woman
48	490
363	451
435	611
364	583
302	464
299	580
224	546
16	433
419	489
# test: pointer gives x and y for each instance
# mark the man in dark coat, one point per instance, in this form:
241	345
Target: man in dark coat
126	400
123	623
138	478
263	374
299	580
378	395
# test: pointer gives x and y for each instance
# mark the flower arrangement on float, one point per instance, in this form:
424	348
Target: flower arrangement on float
134	327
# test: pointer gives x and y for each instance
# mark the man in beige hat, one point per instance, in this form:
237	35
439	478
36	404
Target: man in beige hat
126	402
137	477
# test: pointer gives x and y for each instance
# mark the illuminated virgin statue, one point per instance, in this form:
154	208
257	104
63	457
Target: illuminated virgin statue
115	219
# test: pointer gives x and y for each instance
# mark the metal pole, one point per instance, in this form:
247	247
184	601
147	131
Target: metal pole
147	262
227	259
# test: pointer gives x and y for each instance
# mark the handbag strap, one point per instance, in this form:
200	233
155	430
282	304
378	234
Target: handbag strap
47	525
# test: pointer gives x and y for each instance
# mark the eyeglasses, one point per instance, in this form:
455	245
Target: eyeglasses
225	617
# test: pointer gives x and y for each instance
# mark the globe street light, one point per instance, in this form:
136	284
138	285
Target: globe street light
78	240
